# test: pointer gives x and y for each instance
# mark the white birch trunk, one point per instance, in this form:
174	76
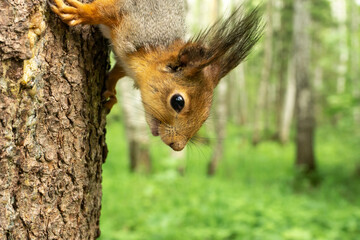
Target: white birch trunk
136	127
242	115
220	126
289	105
264	82
237	92
341	17
237	96
220	108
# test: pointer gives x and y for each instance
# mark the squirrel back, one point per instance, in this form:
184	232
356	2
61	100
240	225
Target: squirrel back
147	23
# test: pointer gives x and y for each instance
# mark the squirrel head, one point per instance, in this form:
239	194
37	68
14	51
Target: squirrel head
177	82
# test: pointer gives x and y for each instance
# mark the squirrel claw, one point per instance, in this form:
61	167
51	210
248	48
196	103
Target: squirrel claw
109	99
109	104
108	94
71	14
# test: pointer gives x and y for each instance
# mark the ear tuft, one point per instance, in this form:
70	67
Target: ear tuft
228	42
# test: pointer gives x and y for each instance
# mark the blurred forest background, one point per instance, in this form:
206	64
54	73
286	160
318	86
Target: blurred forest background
279	157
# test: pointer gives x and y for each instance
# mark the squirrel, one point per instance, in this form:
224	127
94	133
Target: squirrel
176	77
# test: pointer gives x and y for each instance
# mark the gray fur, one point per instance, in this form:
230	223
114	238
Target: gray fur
148	23
156	22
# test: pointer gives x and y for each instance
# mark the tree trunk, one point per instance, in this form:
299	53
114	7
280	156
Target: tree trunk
241	116
52	134
318	89
341	18
342	47
220	126
265	76
355	58
180	159
304	100
237	96
282	59
289	105
136	127
220	109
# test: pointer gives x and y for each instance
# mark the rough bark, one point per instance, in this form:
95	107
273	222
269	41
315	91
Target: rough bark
304	99
52	124
136	127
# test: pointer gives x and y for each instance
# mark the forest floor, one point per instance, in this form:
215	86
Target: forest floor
256	193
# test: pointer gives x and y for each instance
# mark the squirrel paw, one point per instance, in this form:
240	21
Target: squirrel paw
73	14
109	99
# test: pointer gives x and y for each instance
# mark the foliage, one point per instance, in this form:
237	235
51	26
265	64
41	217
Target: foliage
255	194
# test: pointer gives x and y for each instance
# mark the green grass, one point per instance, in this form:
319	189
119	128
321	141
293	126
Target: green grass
255	194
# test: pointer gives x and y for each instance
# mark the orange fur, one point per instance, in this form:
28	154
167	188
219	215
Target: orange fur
157	84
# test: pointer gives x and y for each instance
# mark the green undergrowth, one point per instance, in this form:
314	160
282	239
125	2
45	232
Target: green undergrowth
256	193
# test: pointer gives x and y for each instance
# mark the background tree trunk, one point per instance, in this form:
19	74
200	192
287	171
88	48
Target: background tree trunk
52	124
341	19
136	127
281	62
343	47
220	109
355	58
239	92
289	105
262	96
304	99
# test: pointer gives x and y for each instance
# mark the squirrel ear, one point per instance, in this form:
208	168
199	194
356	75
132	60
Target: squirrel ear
212	72
192	55
194	58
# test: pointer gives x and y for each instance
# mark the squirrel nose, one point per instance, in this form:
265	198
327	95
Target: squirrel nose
178	146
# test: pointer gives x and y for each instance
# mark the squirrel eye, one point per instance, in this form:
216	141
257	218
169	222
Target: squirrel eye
177	102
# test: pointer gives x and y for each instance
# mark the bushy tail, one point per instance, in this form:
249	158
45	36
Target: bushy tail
229	41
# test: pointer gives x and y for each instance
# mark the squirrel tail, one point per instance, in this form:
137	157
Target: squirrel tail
229	41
